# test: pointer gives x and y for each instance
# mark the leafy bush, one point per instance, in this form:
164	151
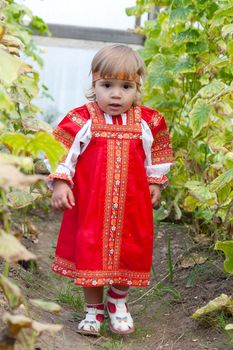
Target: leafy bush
189	57
22	139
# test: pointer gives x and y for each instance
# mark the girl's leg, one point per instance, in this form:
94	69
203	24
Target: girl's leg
120	319
94	311
93	295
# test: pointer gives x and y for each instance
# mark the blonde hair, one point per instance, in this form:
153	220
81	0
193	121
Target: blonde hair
117	60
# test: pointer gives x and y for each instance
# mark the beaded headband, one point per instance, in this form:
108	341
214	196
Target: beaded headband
120	76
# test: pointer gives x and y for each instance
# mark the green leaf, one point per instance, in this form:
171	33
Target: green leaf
206	215
5	102
160	71
33	124
15	323
26	163
181	14
10	176
185	65
160	214
199	116
230	48
43	142
190	203
197	47
217	141
15	142
19	199
18	10
26	88
211	89
12	250
150	49
29	84
226	11
38	24
178	212
223	108
134	11
200	191
227	29
46	305
16	30
223	302
224	194
10	68
229	327
11	292
189	35
227	248
222	180
34	144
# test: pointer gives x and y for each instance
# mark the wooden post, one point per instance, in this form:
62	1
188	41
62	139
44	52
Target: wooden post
152	15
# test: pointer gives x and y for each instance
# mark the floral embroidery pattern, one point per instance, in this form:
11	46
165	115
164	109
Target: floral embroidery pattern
77	119
62	136
118	152
85	278
155	120
133	119
161	151
61	177
158	180
117	135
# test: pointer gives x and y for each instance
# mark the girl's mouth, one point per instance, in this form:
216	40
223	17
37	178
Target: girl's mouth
114	105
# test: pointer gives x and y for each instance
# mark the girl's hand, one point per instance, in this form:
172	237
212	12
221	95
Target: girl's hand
62	197
155	194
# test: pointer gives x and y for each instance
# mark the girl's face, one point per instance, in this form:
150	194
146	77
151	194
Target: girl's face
115	96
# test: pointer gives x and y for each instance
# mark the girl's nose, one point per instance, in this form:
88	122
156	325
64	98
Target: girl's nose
116	93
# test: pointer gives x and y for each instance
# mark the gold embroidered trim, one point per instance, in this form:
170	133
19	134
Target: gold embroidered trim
77	119
85	277
155	120
116	182
161	151
117	135
62	136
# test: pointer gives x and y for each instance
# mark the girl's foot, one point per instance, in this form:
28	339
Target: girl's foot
121	321
93	320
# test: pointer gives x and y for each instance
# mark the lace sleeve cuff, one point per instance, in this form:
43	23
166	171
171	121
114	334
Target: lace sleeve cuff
62	173
162	181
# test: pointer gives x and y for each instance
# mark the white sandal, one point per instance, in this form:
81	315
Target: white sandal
92	322
121	321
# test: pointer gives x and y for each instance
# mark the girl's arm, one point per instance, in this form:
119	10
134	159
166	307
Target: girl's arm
155	194
157	147
74	132
62	197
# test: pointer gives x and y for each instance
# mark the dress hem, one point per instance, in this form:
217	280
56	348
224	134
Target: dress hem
100	278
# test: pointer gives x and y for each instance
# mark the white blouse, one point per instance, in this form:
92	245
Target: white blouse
82	139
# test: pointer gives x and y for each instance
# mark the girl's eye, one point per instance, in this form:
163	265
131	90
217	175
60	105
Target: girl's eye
127	86
107	85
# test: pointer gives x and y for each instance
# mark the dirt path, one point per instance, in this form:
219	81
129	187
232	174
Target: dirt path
161	313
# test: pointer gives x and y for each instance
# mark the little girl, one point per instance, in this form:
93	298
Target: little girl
118	153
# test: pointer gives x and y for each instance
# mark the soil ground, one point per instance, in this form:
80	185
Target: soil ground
162	313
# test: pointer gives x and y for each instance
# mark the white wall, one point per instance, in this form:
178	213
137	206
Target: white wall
91	13
66	74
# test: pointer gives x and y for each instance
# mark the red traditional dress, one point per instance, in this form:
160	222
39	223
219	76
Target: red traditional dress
107	238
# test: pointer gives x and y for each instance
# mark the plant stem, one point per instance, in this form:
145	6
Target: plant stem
6	269
170	264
